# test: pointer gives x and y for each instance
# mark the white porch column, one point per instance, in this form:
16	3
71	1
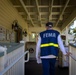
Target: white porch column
66	42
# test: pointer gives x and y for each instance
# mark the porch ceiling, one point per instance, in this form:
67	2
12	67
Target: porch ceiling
37	12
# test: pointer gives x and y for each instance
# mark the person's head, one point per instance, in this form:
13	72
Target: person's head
49	25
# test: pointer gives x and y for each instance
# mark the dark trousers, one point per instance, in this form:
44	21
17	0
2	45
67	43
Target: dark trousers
48	66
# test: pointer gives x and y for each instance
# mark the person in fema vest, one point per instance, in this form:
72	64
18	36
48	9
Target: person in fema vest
47	48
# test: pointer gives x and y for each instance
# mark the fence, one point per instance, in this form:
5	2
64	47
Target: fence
72	61
12	63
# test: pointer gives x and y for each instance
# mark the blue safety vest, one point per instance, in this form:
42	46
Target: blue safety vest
49	42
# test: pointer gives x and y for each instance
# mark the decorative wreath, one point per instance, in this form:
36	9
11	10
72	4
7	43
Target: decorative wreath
31	50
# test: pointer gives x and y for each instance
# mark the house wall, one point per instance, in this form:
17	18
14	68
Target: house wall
8	14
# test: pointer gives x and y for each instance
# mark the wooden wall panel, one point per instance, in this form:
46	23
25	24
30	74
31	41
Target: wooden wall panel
8	14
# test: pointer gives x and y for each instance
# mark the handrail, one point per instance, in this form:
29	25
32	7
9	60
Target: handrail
27	57
7	68
72	57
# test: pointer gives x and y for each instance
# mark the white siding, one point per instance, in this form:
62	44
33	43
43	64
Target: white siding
8	14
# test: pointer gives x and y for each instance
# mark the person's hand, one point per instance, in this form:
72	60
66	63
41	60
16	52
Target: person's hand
68	54
38	60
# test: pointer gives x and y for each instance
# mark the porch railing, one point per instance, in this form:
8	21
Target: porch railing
13	63
72	61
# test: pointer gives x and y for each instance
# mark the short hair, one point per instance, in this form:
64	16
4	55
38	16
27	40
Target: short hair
49	24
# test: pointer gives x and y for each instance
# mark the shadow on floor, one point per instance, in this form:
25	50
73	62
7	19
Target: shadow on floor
32	68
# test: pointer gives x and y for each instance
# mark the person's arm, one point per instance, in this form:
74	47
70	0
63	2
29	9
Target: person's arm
38	48
61	46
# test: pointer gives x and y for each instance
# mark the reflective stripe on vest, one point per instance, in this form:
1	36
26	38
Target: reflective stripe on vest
49	44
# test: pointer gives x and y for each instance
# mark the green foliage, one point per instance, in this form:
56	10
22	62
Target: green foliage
74	30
